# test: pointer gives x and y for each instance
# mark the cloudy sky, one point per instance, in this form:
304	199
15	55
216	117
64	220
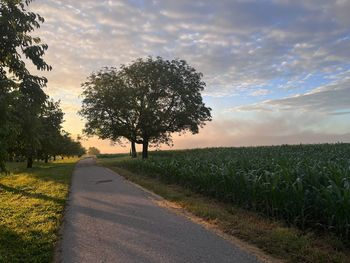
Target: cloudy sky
276	71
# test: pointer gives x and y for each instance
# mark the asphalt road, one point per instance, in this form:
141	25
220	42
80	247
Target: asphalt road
109	219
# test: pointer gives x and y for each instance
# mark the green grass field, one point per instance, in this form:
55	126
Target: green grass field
303	186
31	204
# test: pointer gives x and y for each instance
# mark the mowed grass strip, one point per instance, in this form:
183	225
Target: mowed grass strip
272	236
31	208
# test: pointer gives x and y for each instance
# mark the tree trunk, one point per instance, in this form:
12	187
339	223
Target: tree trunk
145	149
46	159
30	162
133	150
54	157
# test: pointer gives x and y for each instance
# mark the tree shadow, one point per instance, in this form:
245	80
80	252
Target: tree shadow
31	195
54	172
31	247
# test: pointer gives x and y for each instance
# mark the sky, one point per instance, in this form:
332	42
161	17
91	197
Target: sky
276	72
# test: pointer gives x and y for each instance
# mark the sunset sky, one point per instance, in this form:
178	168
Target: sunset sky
276	71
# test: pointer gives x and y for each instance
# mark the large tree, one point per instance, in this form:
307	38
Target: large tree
145	102
17	43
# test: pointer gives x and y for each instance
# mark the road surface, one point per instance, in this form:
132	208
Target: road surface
109	219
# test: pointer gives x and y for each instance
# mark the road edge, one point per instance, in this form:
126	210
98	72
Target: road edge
57	254
175	208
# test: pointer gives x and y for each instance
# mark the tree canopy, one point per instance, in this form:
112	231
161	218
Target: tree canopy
93	151
17	43
144	102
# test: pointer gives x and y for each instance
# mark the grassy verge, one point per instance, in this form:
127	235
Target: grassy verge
31	204
273	237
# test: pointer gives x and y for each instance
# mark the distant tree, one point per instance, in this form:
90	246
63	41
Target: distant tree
145	102
93	151
16	26
79	150
69	147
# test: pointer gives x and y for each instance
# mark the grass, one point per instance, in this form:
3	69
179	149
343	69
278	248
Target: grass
273	236
31	204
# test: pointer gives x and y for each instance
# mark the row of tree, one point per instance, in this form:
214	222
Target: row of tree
30	122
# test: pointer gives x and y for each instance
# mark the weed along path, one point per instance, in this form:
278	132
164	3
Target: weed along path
109	219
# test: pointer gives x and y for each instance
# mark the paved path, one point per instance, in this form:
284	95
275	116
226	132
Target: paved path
110	220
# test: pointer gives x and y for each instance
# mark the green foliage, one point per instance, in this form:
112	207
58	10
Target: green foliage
40	135
144	102
68	147
106	106
108	156
93	151
305	185
16	24
51	119
6	131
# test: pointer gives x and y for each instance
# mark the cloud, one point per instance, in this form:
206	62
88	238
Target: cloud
236	44
252	49
260	92
329	99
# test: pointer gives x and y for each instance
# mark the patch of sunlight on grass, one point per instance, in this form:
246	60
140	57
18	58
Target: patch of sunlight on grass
32	203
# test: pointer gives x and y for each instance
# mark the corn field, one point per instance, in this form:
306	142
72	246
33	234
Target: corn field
305	185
